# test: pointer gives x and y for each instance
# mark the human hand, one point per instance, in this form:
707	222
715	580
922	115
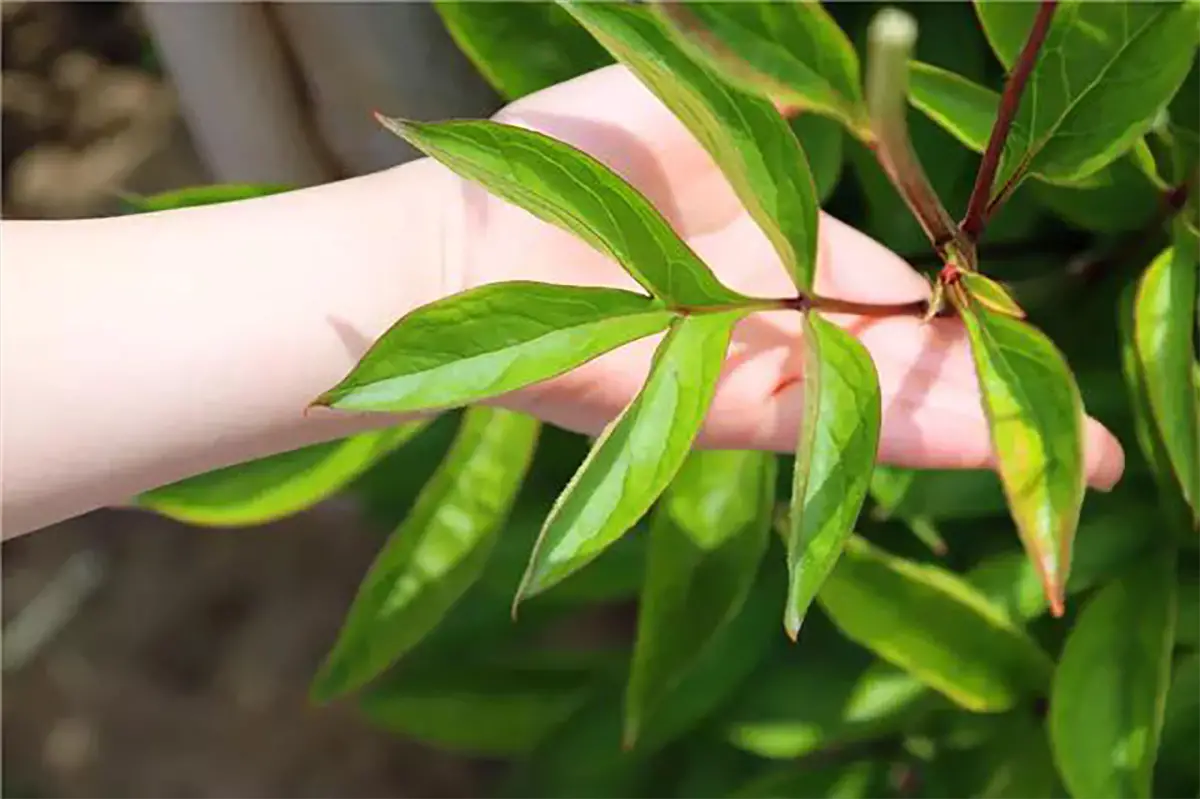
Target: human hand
932	412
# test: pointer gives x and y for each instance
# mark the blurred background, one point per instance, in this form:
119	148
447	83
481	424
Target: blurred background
143	657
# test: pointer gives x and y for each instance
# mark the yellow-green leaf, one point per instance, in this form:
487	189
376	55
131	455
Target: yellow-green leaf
1035	414
745	135
1109	694
933	624
437	553
570	189
990	294
270	488
638	454
839	440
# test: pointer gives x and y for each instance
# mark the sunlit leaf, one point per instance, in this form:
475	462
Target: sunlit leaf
437	553
791	52
1109	694
637	456
707	538
200	195
566	187
934	625
1164	326
478	708
490	340
960	106
839	439
265	489
1035	414
991	294
521	47
745	135
1103	73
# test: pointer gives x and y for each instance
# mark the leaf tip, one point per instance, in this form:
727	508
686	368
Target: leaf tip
401	127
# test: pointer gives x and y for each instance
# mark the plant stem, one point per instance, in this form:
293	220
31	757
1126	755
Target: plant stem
892	36
807	302
979	207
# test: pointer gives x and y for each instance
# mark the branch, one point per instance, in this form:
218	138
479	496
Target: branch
979	209
892	36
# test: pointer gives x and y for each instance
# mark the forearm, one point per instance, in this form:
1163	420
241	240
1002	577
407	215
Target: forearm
137	351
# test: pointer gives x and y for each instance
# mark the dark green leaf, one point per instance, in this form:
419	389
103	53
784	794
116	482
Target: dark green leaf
200	195
813	701
1018	761
791	52
707	538
939	494
1181	721
933	624
745	135
839	439
478	708
822	141
438	551
1104	72
521	47
839	781
638	454
1110	688
1117	198
491	340
1036	418
568	188
1187	633
1164	326
270	488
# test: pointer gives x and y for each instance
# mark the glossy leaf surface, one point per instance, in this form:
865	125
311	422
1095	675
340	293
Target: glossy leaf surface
262	490
1104	71
521	47
490	340
707	538
637	456
437	553
839	439
566	187
791	52
1035	414
1164	326
934	625
745	135
960	106
1110	688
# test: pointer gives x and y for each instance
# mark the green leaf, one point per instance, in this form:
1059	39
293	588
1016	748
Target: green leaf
1103	73
816	702
437	553
839	439
490	340
478	708
1110	688
745	135
960	106
707	538
822	141
933	624
1181	720
1187	633
1019	761
638	454
265	489
568	188
940	494
1035	414
521	47
837	781
1164	325
791	52
200	195
1117	198
990	294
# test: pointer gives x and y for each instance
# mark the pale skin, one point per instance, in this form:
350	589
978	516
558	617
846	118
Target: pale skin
137	351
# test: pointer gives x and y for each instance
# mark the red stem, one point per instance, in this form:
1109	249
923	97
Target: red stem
979	210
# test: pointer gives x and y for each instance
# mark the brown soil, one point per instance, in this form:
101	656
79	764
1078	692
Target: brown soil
185	671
